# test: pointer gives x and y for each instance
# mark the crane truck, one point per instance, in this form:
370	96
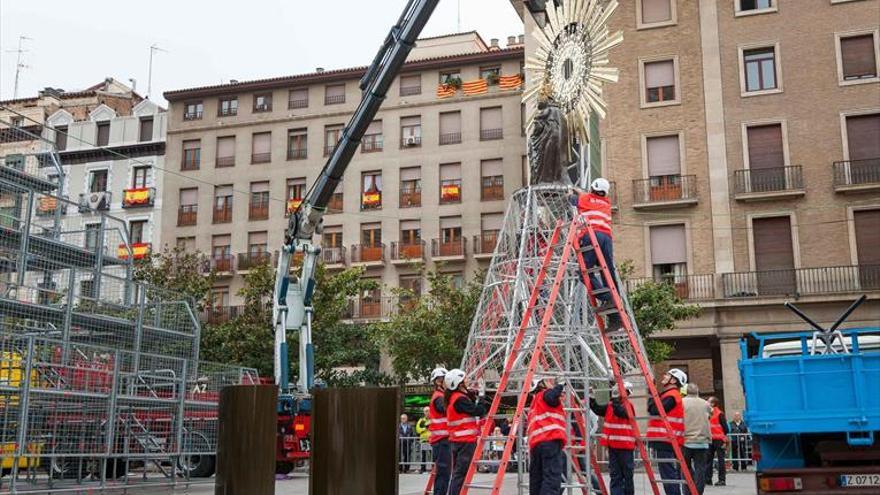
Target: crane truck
292	296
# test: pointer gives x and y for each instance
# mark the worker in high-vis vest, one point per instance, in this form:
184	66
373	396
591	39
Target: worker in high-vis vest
546	433
594	208
463	411
619	437
719	430
659	437
439	433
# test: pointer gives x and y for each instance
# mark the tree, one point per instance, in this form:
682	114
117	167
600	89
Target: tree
430	330
178	270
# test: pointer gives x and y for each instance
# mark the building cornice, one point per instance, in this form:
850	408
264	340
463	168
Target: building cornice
109	153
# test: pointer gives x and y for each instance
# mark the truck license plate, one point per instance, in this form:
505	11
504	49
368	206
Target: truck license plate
859	480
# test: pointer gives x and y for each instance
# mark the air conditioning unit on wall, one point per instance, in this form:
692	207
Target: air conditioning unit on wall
411	141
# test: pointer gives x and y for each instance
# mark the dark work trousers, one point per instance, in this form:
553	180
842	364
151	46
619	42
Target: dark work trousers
696	461
668	470
716	453
591	260
462	453
546	461
620	466
442	462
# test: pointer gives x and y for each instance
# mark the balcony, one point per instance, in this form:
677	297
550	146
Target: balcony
857	175
246	261
220	314
294	104
798	282
491	134
368	254
224	161
222	264
333	256
297	154
334	99
768	183
492	188
335	204
95	201
138	197
186	215
410	141
687	287
370	308
372	143
450	138
450	191
411	197
328	149
484	244
449	250
410	90
192	116
410	252
665	191
222	214
258	210
261	157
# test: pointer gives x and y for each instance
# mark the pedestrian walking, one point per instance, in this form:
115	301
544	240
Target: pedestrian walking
424	438
719	430
697	435
546	433
439	438
463	411
670	399
405	433
620	439
739	438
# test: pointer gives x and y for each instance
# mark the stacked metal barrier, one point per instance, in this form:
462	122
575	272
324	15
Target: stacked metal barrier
100	382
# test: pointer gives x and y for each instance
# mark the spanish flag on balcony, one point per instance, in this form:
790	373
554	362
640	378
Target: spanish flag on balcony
138	251
475	87
450	192
372	198
510	82
138	196
293	204
445	90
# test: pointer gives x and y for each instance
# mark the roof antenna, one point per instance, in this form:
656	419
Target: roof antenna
19	65
153	49
458	21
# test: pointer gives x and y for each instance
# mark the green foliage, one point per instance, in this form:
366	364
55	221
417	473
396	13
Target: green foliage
178	270
431	330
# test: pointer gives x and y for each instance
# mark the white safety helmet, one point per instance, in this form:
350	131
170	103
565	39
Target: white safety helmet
535	382
679	375
626	385
438	373
453	378
601	184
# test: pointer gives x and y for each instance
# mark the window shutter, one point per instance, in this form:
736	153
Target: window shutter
226	147
336	90
668	245
450	222
863	136
258	187
192	144
258	238
300	94
412	173
333	229
492	168
189	196
765	146
262	142
867	225
222	240
375	127
663	156
450	122
659	74
409	225
410	121
773	250
411	81
450	171
490	118
221	191
145	132
857	53
656	11
492	221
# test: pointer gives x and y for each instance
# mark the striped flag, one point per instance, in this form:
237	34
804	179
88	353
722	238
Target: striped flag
510	82
138	250
475	87
445	90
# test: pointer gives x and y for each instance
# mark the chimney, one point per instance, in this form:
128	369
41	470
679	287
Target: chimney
319	69
511	40
493	44
522	39
233	81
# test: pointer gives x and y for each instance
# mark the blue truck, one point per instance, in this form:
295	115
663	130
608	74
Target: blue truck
813	407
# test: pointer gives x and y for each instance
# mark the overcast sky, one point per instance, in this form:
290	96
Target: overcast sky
78	43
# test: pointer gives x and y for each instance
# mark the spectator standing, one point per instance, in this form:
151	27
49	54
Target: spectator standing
424	438
738	441
406	433
697	435
719	429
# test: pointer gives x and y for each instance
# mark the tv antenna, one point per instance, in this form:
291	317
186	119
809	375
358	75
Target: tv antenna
153	49
19	64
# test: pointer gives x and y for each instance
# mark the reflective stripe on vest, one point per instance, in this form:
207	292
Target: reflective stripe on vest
596	211
715	425
618	432
546	423
437	425
657	430
462	428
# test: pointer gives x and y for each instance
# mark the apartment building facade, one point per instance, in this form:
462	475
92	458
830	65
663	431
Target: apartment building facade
744	142
426	189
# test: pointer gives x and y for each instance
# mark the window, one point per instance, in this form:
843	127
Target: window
372	140
858	57
87	289
221	253
774	255
261	149
297	144
669	254
410	234
411	85
867	233
61	138
136	229
760	69
371	192
192	110
491	126
490	226
332	135
492	180
490	74
336	201
410	187
98	181
192	154
262	102
225	151
450	183
140	177
412	287
103	134
450	76
258	244
296	189
189	207
220	298
659	80
334	94
451	243
753	5
332	237
145	131
411	131
766	153
653	12
259	205
222	204
450	127
186	243
92	233
371	242
298	98
228	106
664	181
863	146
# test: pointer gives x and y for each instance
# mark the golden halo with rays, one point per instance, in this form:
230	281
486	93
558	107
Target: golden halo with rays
571	61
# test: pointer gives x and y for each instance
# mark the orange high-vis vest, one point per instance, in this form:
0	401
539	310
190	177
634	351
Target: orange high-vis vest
437	425
617	433
546	423
462	428
657	430
715	425
596	211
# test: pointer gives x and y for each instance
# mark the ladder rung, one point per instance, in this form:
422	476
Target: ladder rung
586	247
595	269
480	486
606	311
603	290
671	482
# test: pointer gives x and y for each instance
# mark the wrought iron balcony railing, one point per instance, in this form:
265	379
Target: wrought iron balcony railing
764	181
857	173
